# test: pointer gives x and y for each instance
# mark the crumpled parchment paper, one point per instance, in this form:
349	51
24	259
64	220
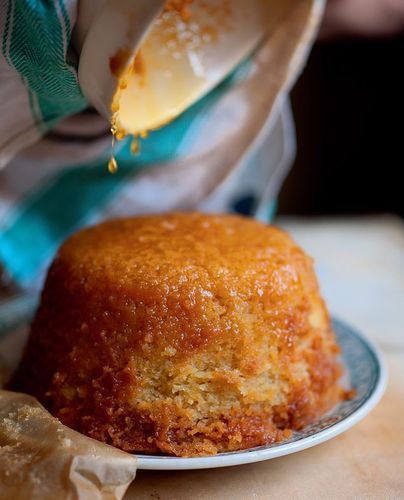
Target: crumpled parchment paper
42	459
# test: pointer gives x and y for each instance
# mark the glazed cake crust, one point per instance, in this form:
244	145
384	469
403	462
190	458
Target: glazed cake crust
183	334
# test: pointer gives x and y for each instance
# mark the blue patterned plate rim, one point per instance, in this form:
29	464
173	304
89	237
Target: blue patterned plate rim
368	375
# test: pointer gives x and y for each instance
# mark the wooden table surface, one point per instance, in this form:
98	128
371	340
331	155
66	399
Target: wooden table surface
360	264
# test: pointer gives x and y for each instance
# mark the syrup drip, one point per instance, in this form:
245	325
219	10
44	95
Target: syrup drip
119	135
112	166
135	145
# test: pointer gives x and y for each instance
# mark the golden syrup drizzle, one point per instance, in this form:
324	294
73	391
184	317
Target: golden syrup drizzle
135	145
112	166
119	135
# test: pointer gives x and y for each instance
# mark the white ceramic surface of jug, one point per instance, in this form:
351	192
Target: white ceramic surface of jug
179	58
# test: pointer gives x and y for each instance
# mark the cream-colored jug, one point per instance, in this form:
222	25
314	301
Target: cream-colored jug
142	62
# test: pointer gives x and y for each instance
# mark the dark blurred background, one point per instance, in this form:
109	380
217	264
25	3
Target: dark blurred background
349	114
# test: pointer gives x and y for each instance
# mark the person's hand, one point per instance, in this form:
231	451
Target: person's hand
367	18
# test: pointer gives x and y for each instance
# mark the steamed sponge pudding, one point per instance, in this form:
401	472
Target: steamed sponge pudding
182	334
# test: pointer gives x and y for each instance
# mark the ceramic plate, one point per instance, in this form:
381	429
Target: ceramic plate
365	372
